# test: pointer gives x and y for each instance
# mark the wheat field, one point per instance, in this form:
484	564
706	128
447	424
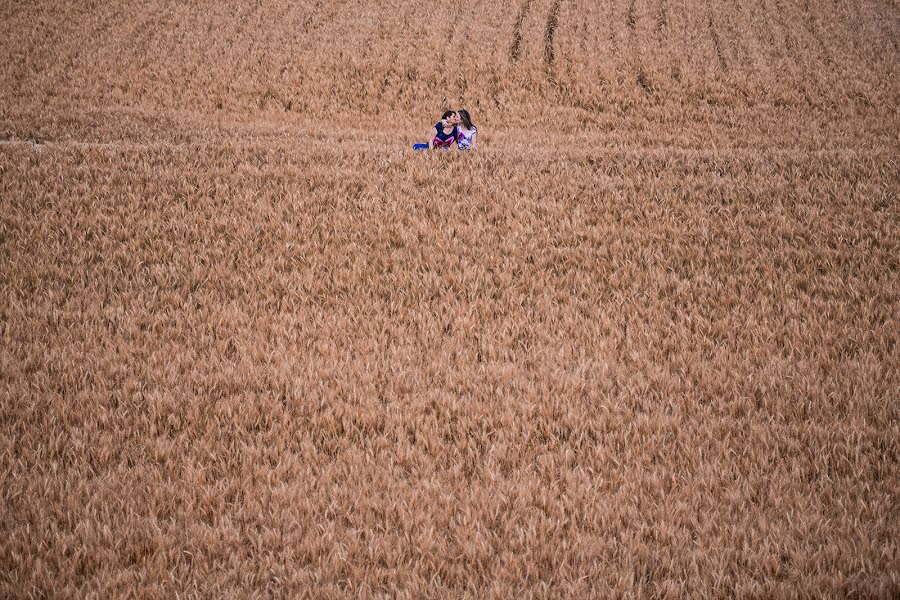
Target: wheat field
642	343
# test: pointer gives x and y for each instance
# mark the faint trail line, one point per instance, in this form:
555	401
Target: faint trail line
631	24
890	25
789	43
319	17
515	48
275	38
549	33
273	144
662	18
385	82
442	59
460	76
244	24
717	43
857	31
613	42
494	87
383	78
739	38
457	10
893	31
33	144
310	18
877	22
149	25
582	36
767	32
813	27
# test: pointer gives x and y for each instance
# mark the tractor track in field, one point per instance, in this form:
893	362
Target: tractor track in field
766	31
391	72
104	28
310	20
582	36
662	19
274	35
812	25
515	48
641	78
319	15
280	30
384	85
717	44
611	34
895	31
739	49
790	44
149	24
716	40
442	59
884	24
38	144
549	34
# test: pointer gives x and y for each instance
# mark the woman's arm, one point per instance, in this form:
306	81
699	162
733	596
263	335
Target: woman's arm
474	140
434	133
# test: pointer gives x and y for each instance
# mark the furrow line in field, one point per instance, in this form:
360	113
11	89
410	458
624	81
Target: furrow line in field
613	42
442	59
887	23
281	28
717	42
733	43
383	86
310	18
515	48
274	37
149	24
318	16
631	25
812	26
789	42
662	18
549	34
717	45
765	30
392	70
100	33
454	18
248	25
894	21
739	37
582	33
664	152
494	88
853	31
464	50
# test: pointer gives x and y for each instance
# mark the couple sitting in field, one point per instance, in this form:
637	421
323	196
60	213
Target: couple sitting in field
455	127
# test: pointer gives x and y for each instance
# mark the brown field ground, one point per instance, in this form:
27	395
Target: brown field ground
642	343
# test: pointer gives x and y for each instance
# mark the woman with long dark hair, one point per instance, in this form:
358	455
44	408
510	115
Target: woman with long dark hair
466	131
443	134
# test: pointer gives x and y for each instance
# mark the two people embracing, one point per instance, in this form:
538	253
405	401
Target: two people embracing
455	127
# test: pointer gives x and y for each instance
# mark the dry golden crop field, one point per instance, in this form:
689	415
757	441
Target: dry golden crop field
641	343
